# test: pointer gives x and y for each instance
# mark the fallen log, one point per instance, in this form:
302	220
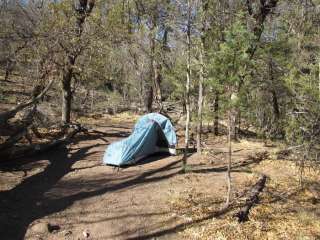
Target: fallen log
253	198
22	132
39	148
14	139
315	191
5	116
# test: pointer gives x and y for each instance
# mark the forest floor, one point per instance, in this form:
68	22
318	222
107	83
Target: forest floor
68	194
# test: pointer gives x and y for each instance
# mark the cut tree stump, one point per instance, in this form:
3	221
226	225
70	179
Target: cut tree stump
253	198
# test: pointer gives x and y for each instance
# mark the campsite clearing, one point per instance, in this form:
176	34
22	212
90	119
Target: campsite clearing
71	195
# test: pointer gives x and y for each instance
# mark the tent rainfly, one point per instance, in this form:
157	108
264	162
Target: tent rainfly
151	134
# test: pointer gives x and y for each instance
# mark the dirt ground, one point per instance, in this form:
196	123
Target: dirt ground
68	194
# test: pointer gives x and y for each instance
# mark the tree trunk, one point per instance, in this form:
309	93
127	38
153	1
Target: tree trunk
204	6
187	95
148	99
82	10
7	74
141	98
152	86
234	114
11	63
200	103
157	84
66	95
92	100
319	79
238	125
184	105
234	134
216	115
275	105
229	159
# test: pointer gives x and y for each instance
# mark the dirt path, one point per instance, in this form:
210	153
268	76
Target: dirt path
70	190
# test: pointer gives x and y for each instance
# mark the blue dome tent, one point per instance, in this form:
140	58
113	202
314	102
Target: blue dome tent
151	134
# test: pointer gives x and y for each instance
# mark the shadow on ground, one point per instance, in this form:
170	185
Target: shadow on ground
27	201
